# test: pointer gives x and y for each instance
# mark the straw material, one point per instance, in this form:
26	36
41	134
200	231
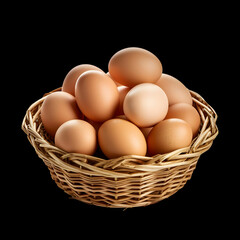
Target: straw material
128	181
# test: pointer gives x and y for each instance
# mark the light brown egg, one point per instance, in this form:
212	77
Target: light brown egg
57	108
122	117
174	89
118	84
96	125
145	105
133	65
123	90
76	136
96	95
185	112
118	137
146	131
169	135
72	76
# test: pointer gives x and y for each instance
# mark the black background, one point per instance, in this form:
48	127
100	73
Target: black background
44	48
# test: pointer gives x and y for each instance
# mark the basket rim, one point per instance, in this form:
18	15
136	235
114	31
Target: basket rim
134	165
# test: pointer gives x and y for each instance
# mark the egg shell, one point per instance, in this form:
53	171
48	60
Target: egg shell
146	131
145	105
57	108
118	84
123	90
118	137
169	135
187	113
133	65
96	125
122	117
76	136
97	95
175	90
72	76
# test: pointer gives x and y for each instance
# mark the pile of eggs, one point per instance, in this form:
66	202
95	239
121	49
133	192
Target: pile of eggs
134	109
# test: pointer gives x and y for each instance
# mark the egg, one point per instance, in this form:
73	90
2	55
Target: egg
185	112
174	89
96	95
169	135
76	136
118	137
123	90
72	76
146	131
145	105
133	65
96	125
57	108
118	84
122	117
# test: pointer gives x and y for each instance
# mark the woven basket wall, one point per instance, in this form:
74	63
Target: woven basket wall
128	181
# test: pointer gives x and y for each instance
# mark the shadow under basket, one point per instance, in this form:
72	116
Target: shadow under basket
125	182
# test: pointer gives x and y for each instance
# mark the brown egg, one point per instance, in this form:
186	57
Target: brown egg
123	90
169	135
146	131
118	84
118	137
96	95
122	117
72	76
96	125
76	136
174	89
57	108
132	66
145	105
185	112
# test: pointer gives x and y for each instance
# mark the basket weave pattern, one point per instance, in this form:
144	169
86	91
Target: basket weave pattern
128	181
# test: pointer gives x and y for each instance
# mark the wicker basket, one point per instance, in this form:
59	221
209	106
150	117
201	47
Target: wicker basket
128	181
